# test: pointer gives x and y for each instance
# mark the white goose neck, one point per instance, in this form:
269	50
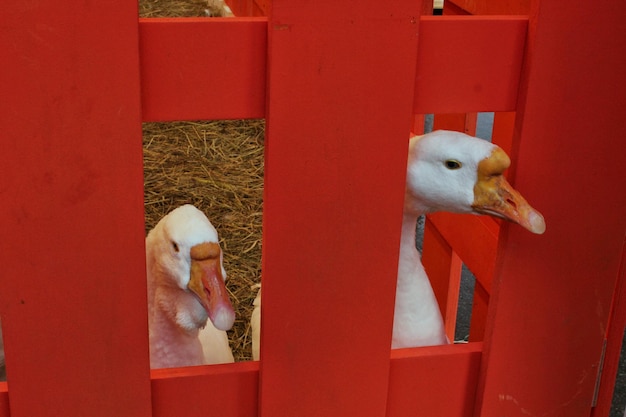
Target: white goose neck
408	237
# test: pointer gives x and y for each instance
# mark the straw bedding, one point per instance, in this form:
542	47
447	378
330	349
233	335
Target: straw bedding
180	8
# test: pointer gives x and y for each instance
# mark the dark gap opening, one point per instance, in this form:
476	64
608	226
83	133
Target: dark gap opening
464	309
618	405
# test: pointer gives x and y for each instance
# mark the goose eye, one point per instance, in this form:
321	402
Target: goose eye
452	164
175	246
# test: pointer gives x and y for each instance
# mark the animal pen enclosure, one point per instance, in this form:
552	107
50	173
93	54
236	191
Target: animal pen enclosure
338	91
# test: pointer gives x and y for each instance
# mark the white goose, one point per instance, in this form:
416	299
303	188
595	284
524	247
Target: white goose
185	288
446	171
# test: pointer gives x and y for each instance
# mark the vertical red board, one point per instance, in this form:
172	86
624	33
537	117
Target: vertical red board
443	267
502	132
477	244
457	121
73	292
480	307
552	293
340	96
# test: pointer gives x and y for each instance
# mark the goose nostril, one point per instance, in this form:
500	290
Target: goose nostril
511	203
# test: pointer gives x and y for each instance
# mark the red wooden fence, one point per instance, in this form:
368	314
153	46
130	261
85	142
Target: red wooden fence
338	83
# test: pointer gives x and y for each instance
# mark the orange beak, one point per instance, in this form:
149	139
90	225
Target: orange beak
494	196
207	282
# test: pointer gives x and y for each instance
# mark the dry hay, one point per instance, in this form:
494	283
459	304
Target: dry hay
179	8
218	167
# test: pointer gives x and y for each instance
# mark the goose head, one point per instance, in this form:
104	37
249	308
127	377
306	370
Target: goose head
455	172
186	256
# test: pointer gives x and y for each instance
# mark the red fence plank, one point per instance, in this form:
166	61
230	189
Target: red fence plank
203	68
552	298
4	400
476	246
73	289
206	391
480	307
458	69
443	266
434	381
335	168
502	132
215	68
445	387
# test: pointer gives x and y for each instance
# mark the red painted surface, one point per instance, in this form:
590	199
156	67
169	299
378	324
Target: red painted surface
461	122
192	70
200	391
480	308
4	399
73	288
553	293
179	80
243	8
337	98
502	133
340	100
476	247
263	7
443	266
455	76
433	381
